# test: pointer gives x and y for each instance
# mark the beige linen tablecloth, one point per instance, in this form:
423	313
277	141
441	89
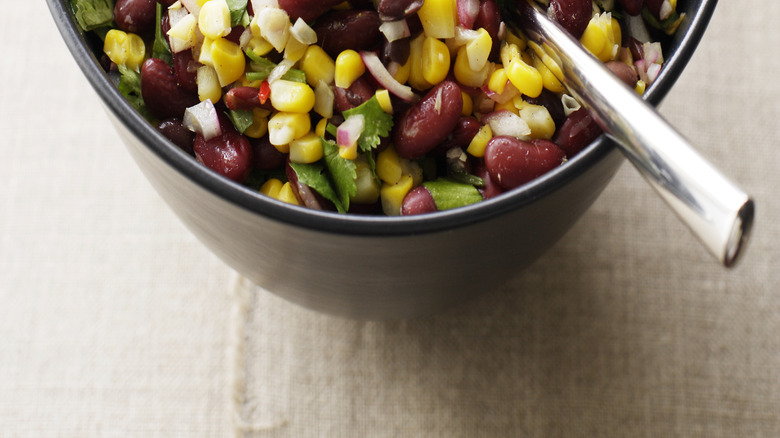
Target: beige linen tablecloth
115	321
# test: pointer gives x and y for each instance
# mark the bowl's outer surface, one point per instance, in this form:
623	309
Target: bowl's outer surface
363	266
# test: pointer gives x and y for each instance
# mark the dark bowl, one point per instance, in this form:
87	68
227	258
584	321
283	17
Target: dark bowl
371	267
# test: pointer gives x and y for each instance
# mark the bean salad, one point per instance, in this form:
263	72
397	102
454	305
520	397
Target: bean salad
393	107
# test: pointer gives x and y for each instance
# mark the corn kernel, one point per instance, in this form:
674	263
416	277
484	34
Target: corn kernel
435	60
478	144
525	78
509	105
349	67
291	96
294	50
208	84
465	75
348	152
259	46
367	186
478	49
228	60
497	81
602	37
393	195
259	126
286	194
126	49
214	19
401	73
321	128
388	166
271	188
285	127
438	18
416	78
508	53
318	66
383	97
549	80
640	87
518	40
273	24
306	149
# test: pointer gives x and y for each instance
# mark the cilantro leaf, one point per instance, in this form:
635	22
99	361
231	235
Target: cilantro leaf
378	123
242	119
343	172
160	48
92	14
448	194
237	9
314	175
130	87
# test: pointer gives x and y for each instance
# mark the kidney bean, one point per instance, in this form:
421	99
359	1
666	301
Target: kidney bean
460	137
654	6
348	29
552	102
135	16
360	91
308	10
174	130
418	201
573	15
625	72
245	98
578	131
166	3
229	154
264	155
160	90
632	7
512	162
185	68
392	10
490	188
396	51
426	124
489	18
635	47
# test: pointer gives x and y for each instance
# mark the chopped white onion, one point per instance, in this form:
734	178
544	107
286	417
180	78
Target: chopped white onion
182	31
570	104
303	32
653	70
323	99
203	119
280	70
507	123
468	10
349	131
385	79
192	6
395	30
274	24
463	36
637	29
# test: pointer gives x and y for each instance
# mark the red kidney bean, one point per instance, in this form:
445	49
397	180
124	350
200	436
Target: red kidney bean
185	68
135	16
396	51
578	131
308	10
174	130
229	154
418	201
461	135
360	91
625	72
160	90
632	7
654	6
392	10
573	15
428	123
348	29
489	18
166	3
635	47
245	98
512	162
265	156
490	188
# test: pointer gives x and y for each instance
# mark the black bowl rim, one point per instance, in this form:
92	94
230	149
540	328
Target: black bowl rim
355	224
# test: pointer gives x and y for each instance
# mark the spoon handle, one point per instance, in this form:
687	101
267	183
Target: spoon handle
718	212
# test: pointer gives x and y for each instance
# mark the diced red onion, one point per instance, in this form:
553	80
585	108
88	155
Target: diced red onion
467	12
510	91
349	131
507	123
395	30
203	119
385	79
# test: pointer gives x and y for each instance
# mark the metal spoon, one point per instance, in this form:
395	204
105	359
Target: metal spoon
715	209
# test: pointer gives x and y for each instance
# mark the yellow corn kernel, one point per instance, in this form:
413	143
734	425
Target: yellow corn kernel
321	127
349	67
507	106
306	149
348	152
271	188
259	126
318	66
126	49
640	87
525	78
228	60
285	127
273	24
208	84
388	166
465	75
214	19
367	186
438	18
393	195
478	49
383	97
435	60
259	46
401	74
416	78
538	119
291	96
294	50
286	194
549	80
508	53
602	37
497	81
468	104
478	144
517	40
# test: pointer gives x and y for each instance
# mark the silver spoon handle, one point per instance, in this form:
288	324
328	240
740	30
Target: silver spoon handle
716	210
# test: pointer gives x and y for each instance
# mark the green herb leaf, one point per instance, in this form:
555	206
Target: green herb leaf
160	48
315	176
378	123
92	14
237	10
130	87
448	194
260	68
242	119
343	172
